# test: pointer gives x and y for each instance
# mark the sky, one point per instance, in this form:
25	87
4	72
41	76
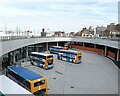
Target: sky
57	15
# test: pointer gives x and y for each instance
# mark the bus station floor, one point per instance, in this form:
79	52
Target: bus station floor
95	75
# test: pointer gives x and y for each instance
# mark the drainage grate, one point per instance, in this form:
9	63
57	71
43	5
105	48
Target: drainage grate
54	78
59	72
72	87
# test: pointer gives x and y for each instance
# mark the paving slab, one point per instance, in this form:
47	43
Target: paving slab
95	75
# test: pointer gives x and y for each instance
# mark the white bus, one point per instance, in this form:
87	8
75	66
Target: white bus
7	86
42	60
70	56
56	49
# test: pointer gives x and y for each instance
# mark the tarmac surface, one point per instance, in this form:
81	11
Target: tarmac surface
95	75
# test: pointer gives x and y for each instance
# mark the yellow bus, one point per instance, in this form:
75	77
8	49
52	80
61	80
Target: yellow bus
42	60
28	79
70	56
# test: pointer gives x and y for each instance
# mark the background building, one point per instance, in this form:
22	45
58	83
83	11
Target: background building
72	34
102	31
114	30
87	32
59	33
79	33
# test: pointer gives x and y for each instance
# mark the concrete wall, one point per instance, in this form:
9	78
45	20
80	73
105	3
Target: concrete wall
99	51
11	45
108	43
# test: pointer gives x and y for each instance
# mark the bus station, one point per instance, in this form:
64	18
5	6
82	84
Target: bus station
59	47
96	74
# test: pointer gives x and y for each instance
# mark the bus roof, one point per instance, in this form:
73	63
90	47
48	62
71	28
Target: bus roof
10	87
38	53
58	46
72	51
25	73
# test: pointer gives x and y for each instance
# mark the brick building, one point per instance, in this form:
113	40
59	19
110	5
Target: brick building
114	30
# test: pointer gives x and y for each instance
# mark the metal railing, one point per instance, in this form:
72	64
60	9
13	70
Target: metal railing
8	38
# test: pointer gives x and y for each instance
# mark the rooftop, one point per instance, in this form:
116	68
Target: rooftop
25	73
39	53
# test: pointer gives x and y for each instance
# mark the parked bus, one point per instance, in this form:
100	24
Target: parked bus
10	87
42	60
70	56
28	79
56	49
32	48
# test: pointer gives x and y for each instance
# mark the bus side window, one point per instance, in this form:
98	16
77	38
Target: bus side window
27	84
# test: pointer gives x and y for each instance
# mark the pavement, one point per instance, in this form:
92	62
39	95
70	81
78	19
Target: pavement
95	75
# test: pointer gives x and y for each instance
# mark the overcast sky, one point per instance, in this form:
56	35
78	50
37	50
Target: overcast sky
64	15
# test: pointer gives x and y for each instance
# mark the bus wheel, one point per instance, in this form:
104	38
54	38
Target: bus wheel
72	61
32	63
58	57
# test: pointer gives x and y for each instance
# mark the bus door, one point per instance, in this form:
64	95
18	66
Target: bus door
42	62
38	63
73	56
50	61
58	50
79	58
68	57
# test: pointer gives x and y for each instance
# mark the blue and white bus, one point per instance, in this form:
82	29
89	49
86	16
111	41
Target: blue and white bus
56	49
70	56
42	60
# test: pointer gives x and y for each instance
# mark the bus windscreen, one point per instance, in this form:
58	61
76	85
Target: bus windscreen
50	56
